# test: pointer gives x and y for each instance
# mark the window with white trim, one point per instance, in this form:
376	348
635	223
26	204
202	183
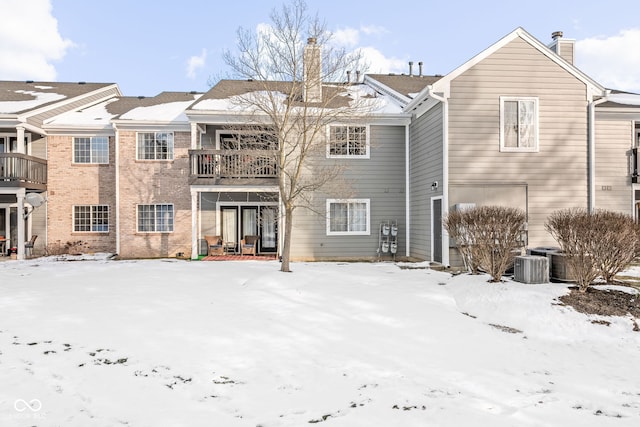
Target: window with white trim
93	149
518	124
348	141
91	218
156	218
347	217
154	146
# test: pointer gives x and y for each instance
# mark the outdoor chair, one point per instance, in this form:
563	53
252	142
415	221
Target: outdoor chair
28	246
248	245
216	246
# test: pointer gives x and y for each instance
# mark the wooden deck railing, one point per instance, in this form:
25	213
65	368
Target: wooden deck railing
233	163
21	168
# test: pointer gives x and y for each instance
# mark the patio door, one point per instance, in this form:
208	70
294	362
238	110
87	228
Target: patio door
230	227
268	228
249	221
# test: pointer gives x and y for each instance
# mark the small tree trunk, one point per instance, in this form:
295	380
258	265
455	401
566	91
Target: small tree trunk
286	248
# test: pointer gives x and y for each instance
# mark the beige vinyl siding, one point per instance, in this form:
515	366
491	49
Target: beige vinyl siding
614	139
425	167
556	176
38	220
381	179
38	146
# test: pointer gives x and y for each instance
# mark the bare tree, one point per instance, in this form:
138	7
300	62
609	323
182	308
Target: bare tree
289	67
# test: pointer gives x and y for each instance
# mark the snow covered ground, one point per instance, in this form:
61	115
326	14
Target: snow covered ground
180	343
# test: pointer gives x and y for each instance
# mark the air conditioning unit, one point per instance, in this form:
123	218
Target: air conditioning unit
531	269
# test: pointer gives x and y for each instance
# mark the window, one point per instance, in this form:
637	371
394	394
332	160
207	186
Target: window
347	217
91	150
518	124
155	218
155	146
91	218
348	141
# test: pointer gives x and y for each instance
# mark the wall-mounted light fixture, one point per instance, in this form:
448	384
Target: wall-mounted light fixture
434	185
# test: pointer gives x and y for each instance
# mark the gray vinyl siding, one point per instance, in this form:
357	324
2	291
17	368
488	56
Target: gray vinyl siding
381	179
614	140
425	167
556	176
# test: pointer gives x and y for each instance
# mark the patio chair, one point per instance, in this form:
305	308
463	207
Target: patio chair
248	245
28	246
216	246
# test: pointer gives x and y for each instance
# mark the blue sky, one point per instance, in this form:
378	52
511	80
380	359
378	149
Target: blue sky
151	46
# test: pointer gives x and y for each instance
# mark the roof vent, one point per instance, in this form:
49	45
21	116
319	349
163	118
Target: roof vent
82	83
29	81
140	97
556	35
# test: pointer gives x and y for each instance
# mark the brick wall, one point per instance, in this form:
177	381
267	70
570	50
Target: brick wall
78	184
152	182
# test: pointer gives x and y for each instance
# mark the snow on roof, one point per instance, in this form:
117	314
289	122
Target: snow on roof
625	98
96	115
167	112
371	101
37	99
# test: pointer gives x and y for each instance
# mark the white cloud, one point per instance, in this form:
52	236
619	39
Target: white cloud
378	63
613	61
348	37
195	63
29	40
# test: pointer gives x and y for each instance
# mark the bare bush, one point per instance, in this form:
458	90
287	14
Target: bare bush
601	243
58	248
574	231
488	237
617	243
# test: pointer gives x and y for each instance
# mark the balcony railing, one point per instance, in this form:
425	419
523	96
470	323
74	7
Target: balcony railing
22	170
233	164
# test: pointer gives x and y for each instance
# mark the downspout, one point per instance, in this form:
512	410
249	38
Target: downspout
407	186
117	166
445	171
591	152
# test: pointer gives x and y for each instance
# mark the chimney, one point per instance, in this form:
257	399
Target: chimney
312	71
565	48
357	76
420	68
348	76
411	68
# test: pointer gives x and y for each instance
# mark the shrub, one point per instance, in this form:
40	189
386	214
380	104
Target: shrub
595	244
617	243
488	237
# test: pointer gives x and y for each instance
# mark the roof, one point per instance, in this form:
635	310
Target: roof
404	84
165	107
224	96
620	99
23	96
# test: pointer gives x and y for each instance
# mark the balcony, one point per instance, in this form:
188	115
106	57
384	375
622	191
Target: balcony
21	170
232	166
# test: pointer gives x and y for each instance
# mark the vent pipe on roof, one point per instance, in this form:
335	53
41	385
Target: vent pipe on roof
357	76
556	35
420	68
411	68
348	76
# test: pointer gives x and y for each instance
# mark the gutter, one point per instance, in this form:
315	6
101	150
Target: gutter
407	196
591	151
117	165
